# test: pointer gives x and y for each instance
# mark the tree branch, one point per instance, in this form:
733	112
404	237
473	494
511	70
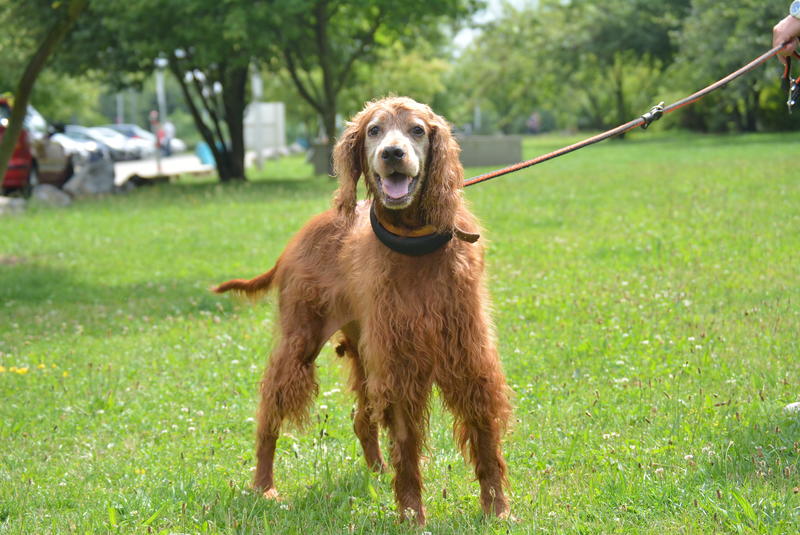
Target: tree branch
308	97
25	86
323	51
198	86
205	131
369	39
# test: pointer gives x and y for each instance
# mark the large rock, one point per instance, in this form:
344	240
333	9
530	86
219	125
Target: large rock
50	195
92	178
11	205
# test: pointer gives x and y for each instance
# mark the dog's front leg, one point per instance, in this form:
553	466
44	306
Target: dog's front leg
474	388
407	421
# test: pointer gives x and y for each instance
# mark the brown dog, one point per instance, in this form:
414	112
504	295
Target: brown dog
401	278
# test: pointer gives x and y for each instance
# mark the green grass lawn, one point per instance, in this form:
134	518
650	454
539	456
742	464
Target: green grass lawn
647	303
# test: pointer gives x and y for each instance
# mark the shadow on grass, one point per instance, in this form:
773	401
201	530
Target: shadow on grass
353	502
36	284
39	297
254	191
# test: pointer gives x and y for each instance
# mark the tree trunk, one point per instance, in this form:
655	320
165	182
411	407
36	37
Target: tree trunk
23	93
233	96
751	109
329	90
218	148
619	94
329	124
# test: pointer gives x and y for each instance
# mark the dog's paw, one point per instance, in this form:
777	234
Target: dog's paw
271	494
378	466
412	515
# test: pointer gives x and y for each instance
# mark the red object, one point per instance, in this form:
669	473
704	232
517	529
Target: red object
19	167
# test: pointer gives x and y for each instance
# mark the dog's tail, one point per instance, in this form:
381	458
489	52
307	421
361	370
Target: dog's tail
250	287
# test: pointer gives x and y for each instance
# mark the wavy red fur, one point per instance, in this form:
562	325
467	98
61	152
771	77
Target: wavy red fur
406	323
250	287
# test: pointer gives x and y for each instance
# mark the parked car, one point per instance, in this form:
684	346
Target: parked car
134	131
37	158
83	149
137	137
131	131
117	144
80	140
94	168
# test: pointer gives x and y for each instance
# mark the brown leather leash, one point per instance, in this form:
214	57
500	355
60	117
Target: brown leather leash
655	113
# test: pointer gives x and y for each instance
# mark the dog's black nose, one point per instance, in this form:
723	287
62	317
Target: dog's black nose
393	153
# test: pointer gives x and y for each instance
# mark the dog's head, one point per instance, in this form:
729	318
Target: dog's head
407	155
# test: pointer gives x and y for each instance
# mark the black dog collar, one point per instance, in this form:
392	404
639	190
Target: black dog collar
418	246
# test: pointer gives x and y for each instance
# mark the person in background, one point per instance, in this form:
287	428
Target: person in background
169	135
787	31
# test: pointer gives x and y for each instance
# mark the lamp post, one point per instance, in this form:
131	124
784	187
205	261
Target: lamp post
156	117
161	64
120	118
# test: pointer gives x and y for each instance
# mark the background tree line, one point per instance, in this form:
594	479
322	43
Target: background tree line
551	64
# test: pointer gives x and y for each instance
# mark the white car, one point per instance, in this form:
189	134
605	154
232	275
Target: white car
82	148
93	171
136	132
127	149
118	148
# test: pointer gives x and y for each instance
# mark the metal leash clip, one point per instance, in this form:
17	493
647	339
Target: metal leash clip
792	85
794	94
654	114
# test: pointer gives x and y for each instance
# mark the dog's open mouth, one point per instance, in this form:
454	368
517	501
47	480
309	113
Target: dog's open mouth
397	188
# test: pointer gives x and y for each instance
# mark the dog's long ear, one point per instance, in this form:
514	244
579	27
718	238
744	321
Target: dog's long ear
349	165
445	176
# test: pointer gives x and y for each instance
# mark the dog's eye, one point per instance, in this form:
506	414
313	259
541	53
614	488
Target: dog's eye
417	131
374	130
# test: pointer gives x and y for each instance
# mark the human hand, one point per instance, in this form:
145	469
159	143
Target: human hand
786	31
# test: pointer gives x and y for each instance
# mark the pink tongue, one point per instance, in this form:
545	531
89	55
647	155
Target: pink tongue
396	187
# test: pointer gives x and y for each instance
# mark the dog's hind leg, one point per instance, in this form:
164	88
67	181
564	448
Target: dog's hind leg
364	424
288	386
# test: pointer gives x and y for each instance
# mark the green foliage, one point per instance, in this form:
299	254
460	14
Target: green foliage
645	303
717	39
67	99
49	24
596	65
58	96
207	45
318	43
504	71
591	65
415	70
577	63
